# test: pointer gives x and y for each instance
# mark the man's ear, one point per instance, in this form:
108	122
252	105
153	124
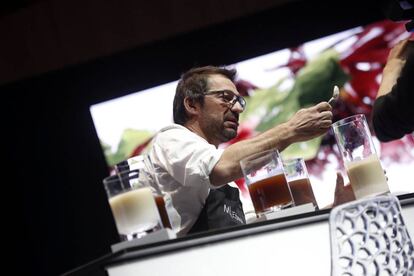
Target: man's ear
191	106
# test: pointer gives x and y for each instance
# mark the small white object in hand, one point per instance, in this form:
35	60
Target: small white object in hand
334	95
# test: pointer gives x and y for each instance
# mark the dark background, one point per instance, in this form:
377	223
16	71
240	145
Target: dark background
60	57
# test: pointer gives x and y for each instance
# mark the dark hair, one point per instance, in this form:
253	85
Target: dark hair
193	84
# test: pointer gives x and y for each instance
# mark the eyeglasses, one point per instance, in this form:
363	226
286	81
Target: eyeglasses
229	97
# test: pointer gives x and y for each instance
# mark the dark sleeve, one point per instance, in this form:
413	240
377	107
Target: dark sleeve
393	113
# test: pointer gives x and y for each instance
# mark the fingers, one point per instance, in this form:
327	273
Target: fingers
397	49
325	124
342	193
325	119
339	187
401	49
323	106
326	115
339	181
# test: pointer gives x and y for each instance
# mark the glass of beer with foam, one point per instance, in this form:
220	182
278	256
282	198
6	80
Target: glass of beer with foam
265	178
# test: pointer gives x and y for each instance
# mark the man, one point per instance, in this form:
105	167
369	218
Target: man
393	114
186	157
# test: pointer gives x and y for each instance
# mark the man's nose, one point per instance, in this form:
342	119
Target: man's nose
237	107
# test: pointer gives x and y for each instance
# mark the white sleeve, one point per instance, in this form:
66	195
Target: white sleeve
187	157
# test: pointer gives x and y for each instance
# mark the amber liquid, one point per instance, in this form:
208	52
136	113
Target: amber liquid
163	212
270	192
302	192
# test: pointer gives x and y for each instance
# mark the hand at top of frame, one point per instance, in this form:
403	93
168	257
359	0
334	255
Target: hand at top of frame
395	62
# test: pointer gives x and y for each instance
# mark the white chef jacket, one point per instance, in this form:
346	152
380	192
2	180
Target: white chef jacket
183	161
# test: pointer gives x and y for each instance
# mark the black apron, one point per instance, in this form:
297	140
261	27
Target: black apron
223	208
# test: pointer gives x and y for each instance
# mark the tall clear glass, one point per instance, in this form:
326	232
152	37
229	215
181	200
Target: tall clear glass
362	164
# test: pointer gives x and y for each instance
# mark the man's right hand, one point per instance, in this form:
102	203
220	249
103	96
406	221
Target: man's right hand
311	122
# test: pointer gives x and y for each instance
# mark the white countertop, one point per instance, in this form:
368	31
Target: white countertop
299	250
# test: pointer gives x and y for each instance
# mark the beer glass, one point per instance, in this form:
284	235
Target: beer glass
298	180
362	164
265	178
